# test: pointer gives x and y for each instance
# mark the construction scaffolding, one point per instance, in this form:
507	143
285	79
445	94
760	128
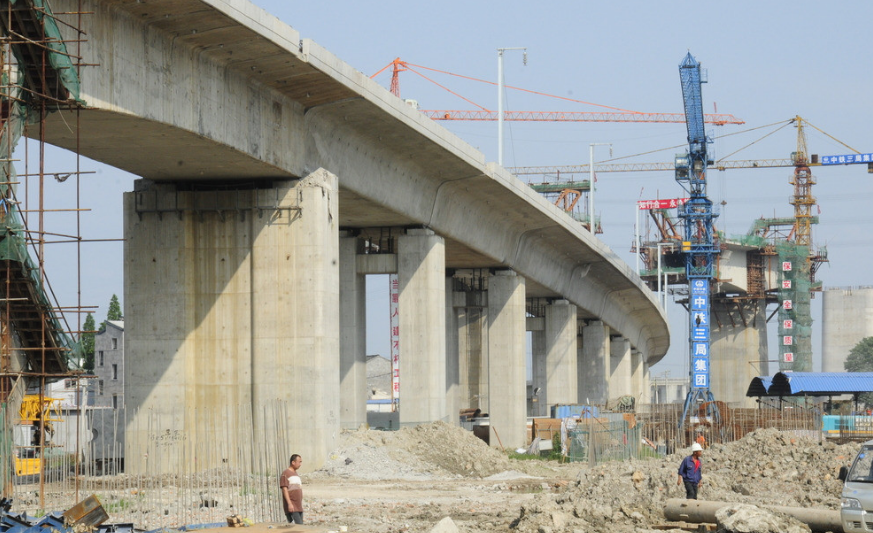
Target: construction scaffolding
40	76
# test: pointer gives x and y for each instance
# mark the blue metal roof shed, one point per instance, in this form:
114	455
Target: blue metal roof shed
812	384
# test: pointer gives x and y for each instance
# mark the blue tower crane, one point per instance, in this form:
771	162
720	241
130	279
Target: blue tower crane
699	244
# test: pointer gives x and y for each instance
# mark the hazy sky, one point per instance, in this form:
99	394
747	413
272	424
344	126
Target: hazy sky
766	63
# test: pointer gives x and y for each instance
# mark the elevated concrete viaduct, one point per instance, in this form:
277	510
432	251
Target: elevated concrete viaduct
271	174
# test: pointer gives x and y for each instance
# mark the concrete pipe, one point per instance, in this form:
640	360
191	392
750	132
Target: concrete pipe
697	511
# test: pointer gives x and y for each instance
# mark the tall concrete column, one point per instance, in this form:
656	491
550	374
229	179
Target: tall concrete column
421	264
453	370
580	365
647	379
353	335
472	362
739	350
507	402
232	299
561	386
620	368
638	386
539	367
595	368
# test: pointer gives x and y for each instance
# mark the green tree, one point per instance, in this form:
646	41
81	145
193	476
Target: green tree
860	359
88	343
114	312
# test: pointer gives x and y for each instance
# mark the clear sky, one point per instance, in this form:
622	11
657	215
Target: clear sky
766	63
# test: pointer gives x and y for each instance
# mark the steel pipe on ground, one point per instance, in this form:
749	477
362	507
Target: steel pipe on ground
704	511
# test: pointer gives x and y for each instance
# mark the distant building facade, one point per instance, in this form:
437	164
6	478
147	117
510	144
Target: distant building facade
108	387
106	416
669	390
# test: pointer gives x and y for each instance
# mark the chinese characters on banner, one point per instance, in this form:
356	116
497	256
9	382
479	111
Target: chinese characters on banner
787	322
846	159
660	204
699	316
394	299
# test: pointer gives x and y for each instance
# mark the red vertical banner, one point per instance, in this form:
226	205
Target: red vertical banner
394	324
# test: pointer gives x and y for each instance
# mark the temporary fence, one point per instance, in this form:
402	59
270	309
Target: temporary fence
595	440
654	429
172	489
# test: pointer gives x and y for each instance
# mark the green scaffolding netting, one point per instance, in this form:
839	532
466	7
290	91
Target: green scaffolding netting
58	56
795	314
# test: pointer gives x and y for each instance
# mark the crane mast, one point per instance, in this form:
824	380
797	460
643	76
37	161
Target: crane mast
699	244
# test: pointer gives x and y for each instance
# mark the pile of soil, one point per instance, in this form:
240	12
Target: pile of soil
765	467
430	451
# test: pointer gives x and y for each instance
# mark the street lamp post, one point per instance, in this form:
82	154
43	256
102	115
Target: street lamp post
592	225
662	298
500	98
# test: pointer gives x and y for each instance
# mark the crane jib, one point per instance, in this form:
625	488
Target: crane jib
689	72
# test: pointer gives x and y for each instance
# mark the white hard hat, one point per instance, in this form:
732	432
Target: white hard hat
696	448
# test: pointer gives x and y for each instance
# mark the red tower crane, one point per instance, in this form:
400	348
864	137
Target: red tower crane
610	114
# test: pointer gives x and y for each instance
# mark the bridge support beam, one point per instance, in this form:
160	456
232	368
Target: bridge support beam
421	264
353	335
594	368
236	299
561	386
507	378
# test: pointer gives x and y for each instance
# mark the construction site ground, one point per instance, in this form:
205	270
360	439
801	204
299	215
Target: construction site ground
412	479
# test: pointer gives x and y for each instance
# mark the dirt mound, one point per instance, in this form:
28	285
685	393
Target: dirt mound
422	452
767	466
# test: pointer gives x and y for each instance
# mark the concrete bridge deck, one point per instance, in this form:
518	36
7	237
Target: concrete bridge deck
217	95
213	89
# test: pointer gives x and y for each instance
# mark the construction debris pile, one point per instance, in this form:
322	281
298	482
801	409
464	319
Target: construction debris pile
766	467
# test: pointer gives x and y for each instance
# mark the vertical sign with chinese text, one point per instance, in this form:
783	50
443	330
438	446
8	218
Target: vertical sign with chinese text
394	309
699	316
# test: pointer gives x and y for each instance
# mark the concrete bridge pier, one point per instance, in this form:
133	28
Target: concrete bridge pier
236	299
739	349
507	380
560	337
621	372
353	334
639	385
539	367
421	267
453	369
472	363
594	365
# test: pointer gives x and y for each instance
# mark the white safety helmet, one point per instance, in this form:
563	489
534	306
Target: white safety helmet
696	448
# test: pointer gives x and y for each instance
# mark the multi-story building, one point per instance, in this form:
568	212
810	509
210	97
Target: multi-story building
108	387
